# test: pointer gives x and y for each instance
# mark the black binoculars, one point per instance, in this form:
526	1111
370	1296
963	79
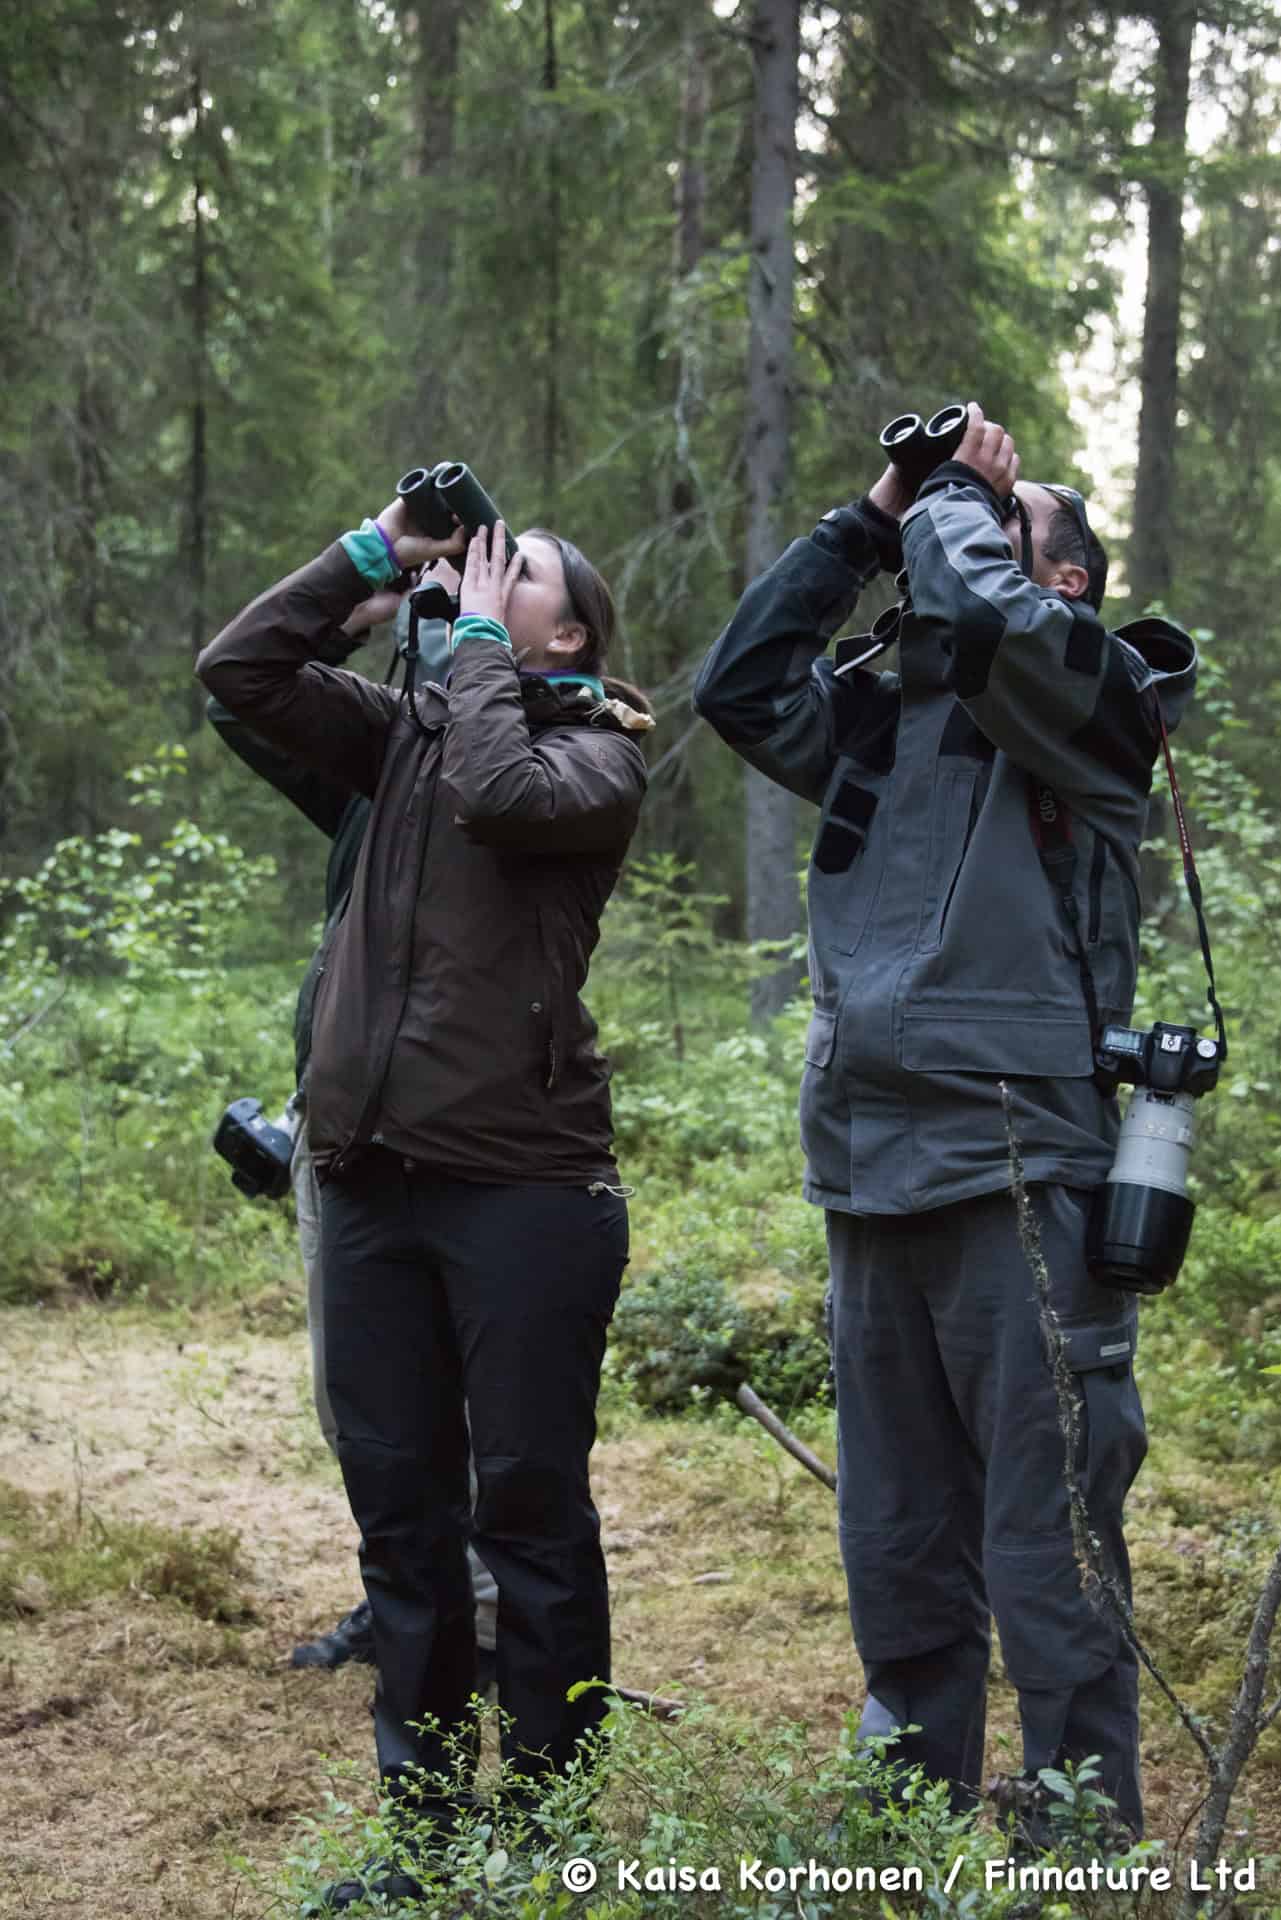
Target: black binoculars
440	497
917	446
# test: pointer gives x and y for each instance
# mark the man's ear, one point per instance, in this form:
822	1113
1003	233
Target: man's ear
1071	581
568	641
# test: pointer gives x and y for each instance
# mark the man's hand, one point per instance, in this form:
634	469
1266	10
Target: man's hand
989	449
892	493
415	549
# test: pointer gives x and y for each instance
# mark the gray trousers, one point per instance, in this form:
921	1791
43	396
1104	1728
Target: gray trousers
952	1500
307	1205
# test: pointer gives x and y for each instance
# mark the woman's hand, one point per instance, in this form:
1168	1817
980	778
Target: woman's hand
386	604
488	577
415	549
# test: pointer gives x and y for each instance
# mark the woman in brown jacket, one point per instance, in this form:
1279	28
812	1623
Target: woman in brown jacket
474	1228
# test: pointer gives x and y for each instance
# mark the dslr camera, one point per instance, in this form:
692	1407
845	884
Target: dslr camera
1141	1218
259	1152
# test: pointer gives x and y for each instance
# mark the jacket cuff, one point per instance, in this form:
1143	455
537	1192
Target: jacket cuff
863	536
368	552
955	473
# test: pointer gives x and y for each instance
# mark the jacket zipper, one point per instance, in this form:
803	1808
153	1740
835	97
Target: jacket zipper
375	1084
1098	862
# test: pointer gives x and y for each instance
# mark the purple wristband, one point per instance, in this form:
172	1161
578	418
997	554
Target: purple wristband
391	551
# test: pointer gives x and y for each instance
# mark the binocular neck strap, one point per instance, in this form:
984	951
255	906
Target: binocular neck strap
1191	878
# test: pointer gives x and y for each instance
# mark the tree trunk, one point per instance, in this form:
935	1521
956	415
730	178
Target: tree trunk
435	31
773	897
551	348
198	470
1152	543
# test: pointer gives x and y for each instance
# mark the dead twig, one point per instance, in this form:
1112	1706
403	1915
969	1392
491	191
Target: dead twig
752	1403
1226	1762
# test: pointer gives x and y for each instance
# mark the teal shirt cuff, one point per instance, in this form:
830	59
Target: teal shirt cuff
369	556
476	626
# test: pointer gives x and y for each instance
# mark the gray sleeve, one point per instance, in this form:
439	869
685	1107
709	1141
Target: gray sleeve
1040	675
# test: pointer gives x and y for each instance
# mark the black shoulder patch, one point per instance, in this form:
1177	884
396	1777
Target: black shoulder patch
1084	648
961	736
1118	732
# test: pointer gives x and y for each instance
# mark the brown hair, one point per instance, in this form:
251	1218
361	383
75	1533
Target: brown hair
589	601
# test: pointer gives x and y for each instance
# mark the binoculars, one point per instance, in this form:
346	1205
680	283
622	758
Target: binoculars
438	497
917	446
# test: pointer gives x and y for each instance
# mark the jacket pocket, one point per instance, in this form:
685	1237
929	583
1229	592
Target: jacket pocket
951	829
999	1033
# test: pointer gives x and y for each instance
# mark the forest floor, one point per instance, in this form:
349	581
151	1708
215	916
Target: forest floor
146	1748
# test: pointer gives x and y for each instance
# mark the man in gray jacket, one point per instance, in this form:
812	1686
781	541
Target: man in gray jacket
949	952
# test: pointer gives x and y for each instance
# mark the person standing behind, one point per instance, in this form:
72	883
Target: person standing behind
944	959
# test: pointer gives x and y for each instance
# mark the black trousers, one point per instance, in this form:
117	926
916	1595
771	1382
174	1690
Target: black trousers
952	1499
441	1293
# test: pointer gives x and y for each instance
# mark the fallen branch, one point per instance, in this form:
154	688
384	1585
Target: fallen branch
752	1403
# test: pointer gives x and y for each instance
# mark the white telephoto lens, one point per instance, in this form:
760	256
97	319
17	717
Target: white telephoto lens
1156	1139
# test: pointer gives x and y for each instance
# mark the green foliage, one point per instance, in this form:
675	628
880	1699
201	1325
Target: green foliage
707	1791
122	1029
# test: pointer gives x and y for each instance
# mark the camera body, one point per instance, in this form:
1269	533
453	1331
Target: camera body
1141	1219
259	1152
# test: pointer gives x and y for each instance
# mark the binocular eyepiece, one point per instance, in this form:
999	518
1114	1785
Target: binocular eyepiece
917	446
439	498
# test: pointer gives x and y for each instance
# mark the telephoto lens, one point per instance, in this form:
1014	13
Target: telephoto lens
1142	1218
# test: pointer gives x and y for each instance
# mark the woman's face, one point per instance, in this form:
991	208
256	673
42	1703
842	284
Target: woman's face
545	636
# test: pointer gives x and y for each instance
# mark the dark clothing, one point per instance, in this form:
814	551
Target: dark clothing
339	813
952	1496
940	959
447	1022
438	1290
943	960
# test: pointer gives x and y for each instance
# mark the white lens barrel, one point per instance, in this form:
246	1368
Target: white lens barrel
1156	1141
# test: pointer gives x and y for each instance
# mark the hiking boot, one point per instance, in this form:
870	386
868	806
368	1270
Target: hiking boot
351	1639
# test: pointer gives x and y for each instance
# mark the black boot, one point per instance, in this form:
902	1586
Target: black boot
351	1639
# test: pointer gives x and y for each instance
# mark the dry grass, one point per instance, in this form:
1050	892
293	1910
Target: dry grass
145	1748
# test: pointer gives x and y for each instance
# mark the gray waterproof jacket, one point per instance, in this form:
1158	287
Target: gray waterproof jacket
941	955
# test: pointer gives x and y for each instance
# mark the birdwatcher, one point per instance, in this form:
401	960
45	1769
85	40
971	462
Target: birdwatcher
473	1223
956	944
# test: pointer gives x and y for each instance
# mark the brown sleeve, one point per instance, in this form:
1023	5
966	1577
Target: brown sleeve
268	667
573	789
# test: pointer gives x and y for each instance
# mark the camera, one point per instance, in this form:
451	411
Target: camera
258	1151
1141	1219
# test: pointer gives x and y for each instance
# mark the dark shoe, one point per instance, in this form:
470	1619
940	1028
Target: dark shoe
378	1880
351	1639
435	1822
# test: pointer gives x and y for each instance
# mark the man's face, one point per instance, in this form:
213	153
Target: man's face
1060	576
